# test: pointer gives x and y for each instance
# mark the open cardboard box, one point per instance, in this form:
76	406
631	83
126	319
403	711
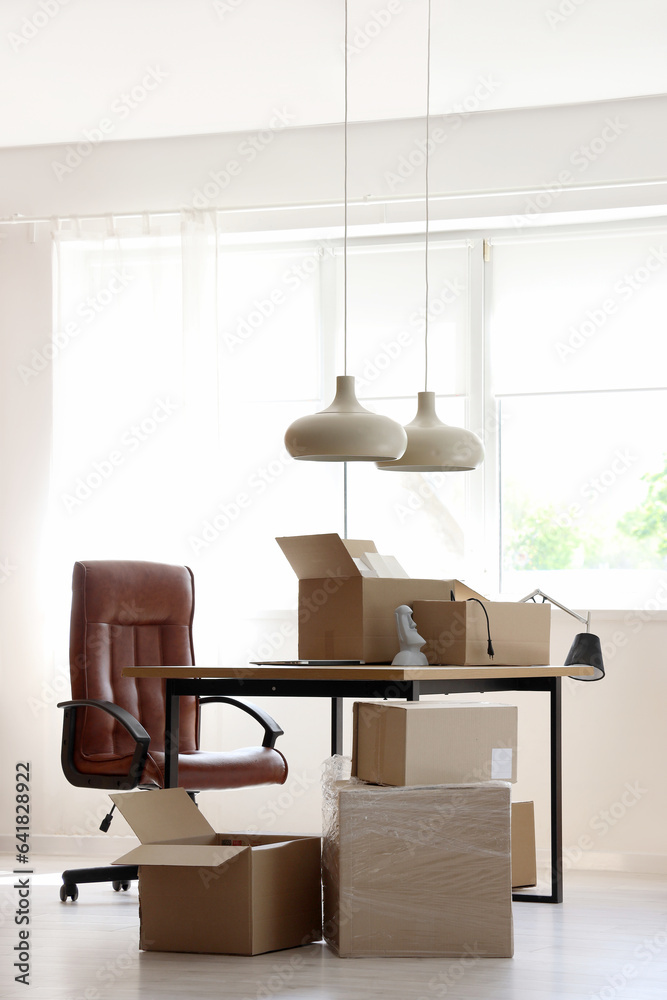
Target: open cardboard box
226	893
344	614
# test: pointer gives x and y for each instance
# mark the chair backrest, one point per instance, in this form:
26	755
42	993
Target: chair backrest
129	613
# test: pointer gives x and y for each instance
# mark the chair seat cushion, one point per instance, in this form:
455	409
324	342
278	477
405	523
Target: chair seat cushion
202	770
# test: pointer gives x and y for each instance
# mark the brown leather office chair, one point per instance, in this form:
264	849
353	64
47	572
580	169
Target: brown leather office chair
130	613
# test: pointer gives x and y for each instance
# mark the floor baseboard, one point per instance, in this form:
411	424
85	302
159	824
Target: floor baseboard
607	861
109	847
103	847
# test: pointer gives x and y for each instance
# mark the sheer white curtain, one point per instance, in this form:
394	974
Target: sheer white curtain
179	361
135	392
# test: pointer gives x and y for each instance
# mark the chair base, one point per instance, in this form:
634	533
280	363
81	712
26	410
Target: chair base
120	877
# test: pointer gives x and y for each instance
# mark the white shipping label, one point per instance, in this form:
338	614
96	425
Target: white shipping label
501	764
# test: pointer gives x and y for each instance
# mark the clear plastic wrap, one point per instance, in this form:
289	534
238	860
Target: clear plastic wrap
422	870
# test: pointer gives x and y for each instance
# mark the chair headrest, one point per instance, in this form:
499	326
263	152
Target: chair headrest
131	592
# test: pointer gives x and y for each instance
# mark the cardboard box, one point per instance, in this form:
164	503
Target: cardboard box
202	891
344	614
524	862
456	632
418	871
433	742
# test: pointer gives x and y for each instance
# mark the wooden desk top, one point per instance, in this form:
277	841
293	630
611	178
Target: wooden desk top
361	672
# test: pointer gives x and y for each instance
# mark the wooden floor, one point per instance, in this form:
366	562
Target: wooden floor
608	939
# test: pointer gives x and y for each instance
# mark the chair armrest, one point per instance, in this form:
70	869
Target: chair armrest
127	721
271	728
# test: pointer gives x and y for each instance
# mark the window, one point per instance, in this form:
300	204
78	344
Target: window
180	359
422	518
578	361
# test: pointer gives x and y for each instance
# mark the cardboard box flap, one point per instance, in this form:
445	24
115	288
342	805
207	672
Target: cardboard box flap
161	816
268	842
314	557
179	855
462	592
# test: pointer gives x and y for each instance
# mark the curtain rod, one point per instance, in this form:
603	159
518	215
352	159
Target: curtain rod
18	219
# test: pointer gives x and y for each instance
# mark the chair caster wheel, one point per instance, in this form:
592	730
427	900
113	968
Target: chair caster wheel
68	890
117	886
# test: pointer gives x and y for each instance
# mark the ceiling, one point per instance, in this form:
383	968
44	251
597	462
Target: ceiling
130	69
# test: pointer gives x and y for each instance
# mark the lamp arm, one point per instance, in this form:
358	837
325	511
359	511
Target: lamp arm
540	593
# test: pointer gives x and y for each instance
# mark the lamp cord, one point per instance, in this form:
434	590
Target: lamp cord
428	130
489	646
345	265
345	211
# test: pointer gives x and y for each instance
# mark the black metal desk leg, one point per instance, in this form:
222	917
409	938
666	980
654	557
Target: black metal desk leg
555	800
171	735
336	726
555	699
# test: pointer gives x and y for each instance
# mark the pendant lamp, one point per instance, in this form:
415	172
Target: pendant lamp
432	445
345	431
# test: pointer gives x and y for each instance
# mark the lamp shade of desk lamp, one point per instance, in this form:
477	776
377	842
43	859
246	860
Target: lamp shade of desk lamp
345	431
586	651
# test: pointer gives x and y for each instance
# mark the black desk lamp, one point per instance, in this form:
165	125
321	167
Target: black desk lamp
586	650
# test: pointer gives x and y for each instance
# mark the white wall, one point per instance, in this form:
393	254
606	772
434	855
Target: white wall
488	164
25	320
223	63
613	732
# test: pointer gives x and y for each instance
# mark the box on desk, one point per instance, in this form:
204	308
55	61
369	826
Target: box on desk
456	632
345	614
417	871
202	891
433	742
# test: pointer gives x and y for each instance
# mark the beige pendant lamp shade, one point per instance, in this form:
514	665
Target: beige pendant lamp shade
345	432
434	446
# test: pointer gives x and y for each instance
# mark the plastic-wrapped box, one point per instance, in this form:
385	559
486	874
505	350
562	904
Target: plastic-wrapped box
423	870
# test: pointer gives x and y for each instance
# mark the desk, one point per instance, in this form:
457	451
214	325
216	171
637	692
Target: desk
373	681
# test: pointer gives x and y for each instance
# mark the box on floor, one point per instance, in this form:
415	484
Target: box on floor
344	614
524	862
202	891
417	871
